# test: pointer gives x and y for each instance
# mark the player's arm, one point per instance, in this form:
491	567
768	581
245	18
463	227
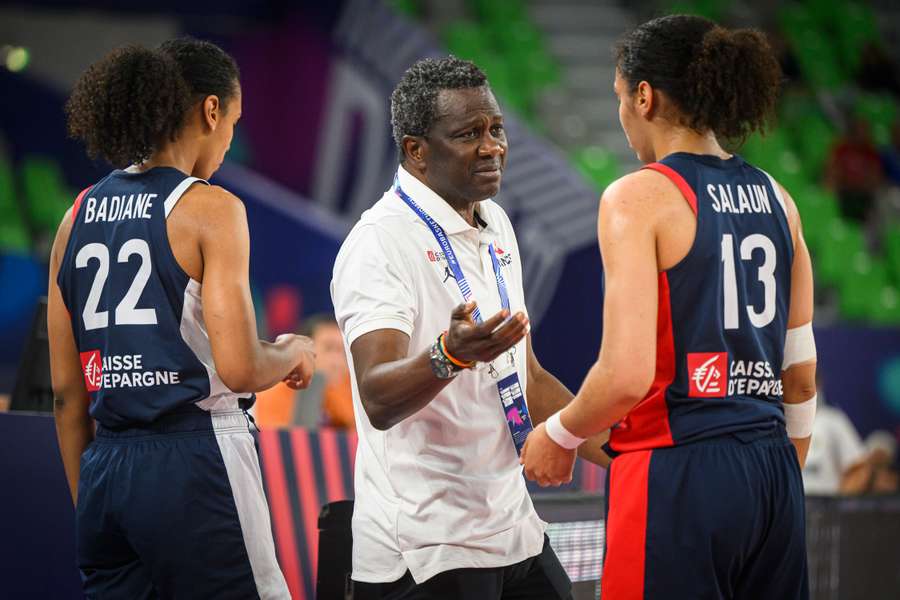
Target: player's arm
243	361
74	427
547	395
799	378
394	386
624	371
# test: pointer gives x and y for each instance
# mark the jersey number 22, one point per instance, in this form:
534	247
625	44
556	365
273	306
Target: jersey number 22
126	311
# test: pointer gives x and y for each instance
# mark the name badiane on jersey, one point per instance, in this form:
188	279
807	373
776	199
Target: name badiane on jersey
136	315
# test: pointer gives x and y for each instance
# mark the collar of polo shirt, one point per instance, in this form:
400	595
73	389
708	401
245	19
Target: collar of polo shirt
438	208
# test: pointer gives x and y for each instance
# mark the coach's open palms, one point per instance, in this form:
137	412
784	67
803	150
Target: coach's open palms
483	342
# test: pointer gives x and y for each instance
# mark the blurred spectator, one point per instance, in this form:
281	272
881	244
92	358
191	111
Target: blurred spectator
839	463
835	448
274	407
336	397
877	72
328	400
790	68
855	171
890	156
883	477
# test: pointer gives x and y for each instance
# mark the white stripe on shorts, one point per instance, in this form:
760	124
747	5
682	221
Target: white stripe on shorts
242	466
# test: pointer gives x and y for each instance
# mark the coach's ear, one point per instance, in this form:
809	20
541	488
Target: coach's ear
415	151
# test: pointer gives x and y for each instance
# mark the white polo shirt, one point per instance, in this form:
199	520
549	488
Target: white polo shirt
443	489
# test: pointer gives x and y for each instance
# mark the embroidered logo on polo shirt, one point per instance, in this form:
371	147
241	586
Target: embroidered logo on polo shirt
504	258
435	256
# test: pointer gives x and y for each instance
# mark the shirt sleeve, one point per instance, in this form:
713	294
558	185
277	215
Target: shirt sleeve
371	288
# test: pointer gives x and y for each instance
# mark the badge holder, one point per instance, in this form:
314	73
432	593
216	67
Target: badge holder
511	397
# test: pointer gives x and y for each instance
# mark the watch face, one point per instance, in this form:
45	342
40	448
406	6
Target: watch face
440	365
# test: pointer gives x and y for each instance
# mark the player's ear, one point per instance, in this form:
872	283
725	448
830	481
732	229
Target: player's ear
645	99
212	112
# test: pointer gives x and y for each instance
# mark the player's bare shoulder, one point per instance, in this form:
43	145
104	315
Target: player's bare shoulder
205	219
209	208
62	239
646	195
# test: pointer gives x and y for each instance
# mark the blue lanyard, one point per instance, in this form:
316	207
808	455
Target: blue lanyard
509	389
452	261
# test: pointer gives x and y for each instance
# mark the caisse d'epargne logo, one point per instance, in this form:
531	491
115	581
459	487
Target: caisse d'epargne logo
708	374
92	366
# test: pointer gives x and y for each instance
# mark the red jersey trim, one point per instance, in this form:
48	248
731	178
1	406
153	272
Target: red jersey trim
647	424
77	204
624	567
678	180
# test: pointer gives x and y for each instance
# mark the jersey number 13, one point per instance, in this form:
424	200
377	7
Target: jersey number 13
766	276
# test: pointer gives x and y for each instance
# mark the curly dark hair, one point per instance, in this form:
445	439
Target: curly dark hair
134	99
722	80
414	100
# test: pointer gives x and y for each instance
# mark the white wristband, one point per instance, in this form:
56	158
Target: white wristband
559	434
799	418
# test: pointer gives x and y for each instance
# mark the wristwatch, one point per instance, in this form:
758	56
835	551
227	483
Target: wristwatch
440	364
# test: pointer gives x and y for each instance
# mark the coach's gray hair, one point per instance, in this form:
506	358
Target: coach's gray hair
414	100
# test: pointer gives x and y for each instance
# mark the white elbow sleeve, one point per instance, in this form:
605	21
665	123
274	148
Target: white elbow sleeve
799	417
799	346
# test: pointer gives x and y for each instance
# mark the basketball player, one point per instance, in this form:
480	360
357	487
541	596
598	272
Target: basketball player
706	370
151	326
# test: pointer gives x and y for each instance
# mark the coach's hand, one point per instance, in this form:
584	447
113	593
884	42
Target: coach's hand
471	342
546	462
301	375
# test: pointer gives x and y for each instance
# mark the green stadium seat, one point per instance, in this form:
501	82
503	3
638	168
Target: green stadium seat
885	310
818	59
516	36
498	11
409	8
796	17
14	236
599	166
856	26
861	289
466	40
711	9
810	132
890	243
880	111
775	154
46	193
814	142
817	209
839	243
813	48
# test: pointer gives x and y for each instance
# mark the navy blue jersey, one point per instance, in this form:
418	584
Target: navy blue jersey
136	314
723	311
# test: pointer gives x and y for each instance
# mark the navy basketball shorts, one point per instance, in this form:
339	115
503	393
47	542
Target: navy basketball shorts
176	509
717	519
